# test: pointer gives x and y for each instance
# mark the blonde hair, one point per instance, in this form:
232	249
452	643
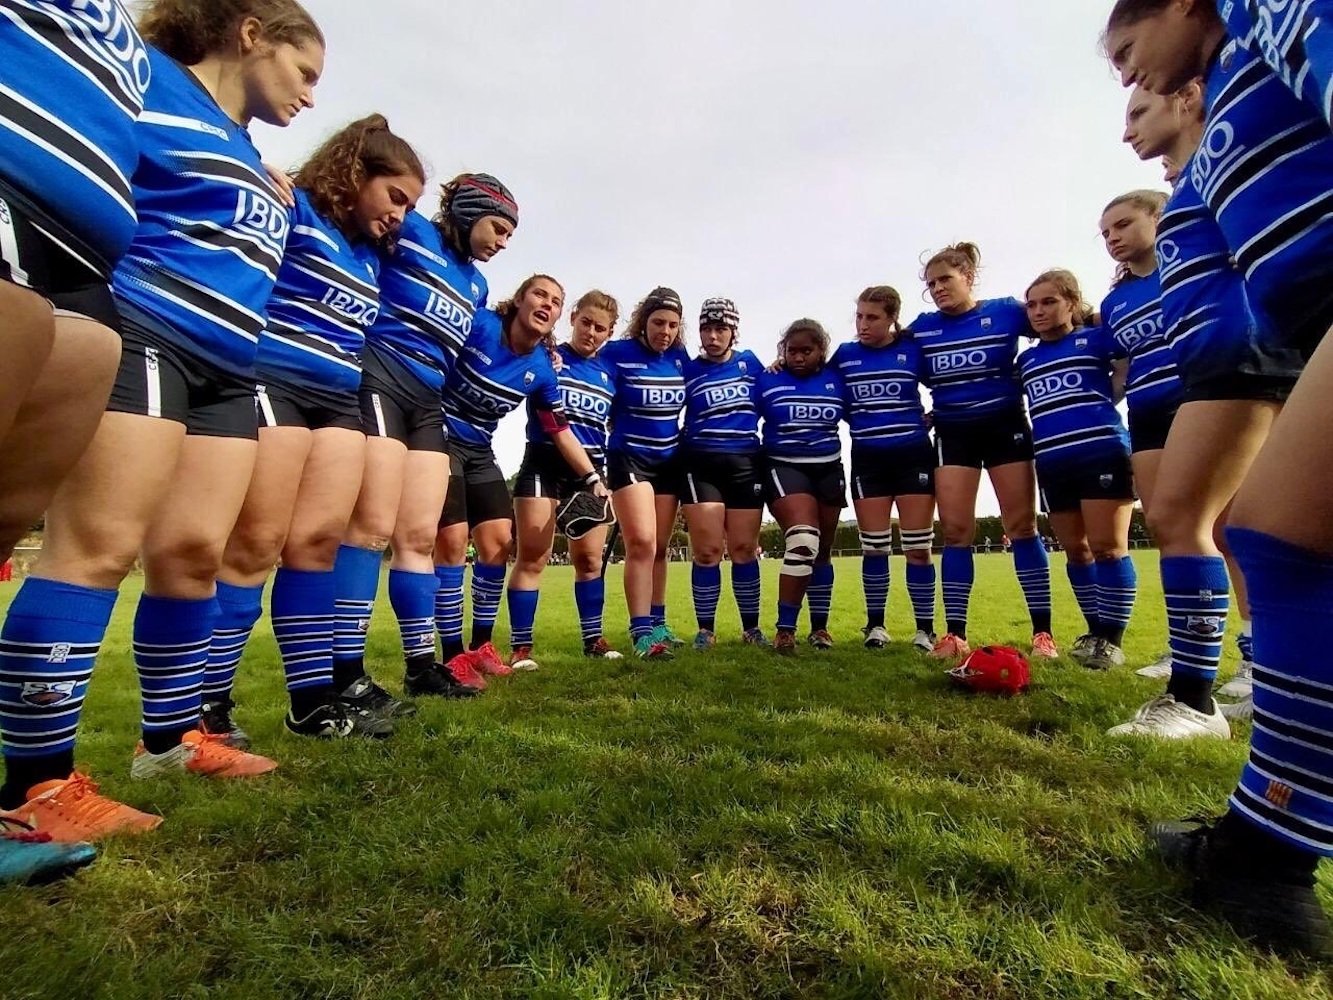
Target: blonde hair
598	299
1066	286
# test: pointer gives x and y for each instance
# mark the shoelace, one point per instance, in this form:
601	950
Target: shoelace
78	799
1161	708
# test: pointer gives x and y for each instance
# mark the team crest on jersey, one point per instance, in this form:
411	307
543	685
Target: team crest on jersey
743	368
44	694
828	385
605	379
475	291
902	359
985	322
1204	626
1081	342
528	377
678	364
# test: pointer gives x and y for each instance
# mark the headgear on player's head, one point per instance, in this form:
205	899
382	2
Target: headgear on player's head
662	297
478	196
719	312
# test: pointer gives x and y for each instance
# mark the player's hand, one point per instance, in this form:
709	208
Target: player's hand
283	182
776	366
599	490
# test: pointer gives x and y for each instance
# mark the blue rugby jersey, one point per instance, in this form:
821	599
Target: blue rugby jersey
720	413
1295	40
1132	312
489	380
970	359
1265	171
1068	387
325	298
211	233
427	301
883	393
586	390
801	415
73	75
649	396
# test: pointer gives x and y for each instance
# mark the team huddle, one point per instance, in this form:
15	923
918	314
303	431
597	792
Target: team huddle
234	374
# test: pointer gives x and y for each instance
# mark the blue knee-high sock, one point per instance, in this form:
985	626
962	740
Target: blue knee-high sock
1033	567
875	582
356	576
238	610
1285	787
787	616
1117	586
1198	596
1083	581
171	639
47	647
658	613
302	610
745	587
706	586
449	610
956	575
639	626
522	615
487	584
921	589
590	598
412	596
820	596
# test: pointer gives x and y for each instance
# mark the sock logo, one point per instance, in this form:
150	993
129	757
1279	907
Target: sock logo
59	653
1204	626
363	625
1279	794
43	694
1206	595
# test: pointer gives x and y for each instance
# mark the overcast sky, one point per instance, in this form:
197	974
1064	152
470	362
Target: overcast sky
782	154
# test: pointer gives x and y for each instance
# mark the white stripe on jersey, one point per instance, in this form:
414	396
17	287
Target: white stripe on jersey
84	144
261	185
9	246
418	248
130	100
317	234
236	234
209	293
181	122
334	354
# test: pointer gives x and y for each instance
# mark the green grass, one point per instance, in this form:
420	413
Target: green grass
728	825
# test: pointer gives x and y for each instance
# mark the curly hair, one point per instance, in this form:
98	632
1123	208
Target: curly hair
335	172
1066	286
638	322
508	309
812	327
191	30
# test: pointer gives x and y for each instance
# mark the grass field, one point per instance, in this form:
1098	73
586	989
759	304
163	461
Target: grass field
726	825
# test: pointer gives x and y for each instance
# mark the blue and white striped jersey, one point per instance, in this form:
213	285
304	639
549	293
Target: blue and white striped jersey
1132	312
211	233
1068	387
720	414
1295	40
801	415
1265	171
970	359
649	396
586	389
489	380
325	298
73	75
427	301
884	408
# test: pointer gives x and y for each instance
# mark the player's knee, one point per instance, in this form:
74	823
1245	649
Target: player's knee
253	550
587	565
183	566
708	554
742	552
418	539
802	549
640	548
958	535
877	543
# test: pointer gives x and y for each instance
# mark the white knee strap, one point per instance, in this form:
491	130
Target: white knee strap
878	543
922	540
802	548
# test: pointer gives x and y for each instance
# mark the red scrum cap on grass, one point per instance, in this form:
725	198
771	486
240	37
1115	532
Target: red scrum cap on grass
994	670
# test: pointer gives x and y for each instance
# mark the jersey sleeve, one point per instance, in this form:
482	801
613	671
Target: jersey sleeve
545	401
